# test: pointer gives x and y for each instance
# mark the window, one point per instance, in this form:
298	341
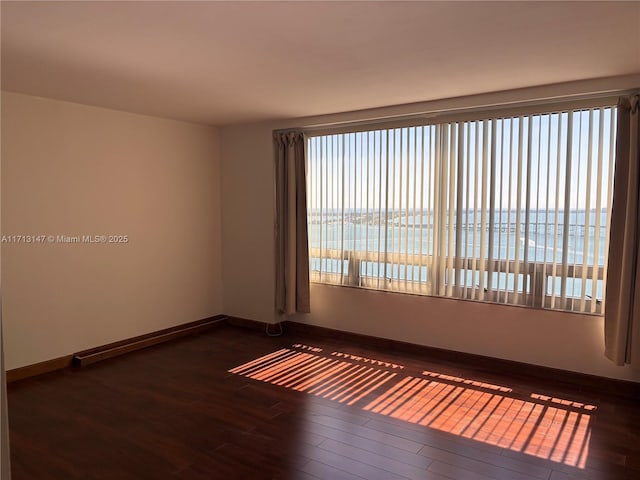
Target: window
512	210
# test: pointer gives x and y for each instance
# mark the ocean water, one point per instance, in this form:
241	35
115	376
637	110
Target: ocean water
538	237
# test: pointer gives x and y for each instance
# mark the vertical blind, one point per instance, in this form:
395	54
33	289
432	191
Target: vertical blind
510	210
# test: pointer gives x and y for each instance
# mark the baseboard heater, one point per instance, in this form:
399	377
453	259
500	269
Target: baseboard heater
93	355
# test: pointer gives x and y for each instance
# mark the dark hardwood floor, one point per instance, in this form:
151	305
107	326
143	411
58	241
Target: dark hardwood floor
233	403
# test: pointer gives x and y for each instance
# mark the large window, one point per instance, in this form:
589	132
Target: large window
511	210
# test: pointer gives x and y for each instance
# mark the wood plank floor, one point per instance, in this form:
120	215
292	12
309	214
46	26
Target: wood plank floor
234	404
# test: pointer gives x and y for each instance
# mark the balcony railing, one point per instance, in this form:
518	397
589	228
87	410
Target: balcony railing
465	278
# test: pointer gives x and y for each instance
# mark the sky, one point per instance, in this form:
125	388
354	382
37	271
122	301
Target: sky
398	168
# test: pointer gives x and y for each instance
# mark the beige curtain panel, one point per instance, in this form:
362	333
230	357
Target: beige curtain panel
292	251
622	315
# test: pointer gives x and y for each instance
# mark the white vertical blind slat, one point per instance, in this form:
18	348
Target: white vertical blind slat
439	221
596	235
415	204
509	227
467	209
458	206
613	121
587	218
518	239
501	292
573	292
451	166
386	211
421	265
537	271
380	236
341	202
526	277
407	207
483	209
476	203
554	269
492	205
547	206
567	210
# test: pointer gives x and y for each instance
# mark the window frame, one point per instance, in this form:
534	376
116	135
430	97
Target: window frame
542	300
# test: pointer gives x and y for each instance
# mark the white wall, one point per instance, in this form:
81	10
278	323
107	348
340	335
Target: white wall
248	229
561	340
74	169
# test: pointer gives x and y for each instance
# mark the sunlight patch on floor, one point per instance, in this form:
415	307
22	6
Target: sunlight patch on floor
539	425
544	427
331	378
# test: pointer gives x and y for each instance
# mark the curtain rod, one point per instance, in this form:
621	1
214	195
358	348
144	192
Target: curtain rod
430	113
434	112
610	96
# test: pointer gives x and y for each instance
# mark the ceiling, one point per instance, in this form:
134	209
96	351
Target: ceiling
225	63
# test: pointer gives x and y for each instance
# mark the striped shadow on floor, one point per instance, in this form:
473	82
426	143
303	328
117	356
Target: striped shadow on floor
546	427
